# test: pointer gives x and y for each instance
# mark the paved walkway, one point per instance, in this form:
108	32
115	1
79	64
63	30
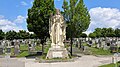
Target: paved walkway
8	62
84	61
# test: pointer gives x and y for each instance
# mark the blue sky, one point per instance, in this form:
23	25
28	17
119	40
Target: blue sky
104	13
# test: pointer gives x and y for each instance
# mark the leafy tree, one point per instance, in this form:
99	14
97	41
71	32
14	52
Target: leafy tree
83	35
33	36
77	18
92	35
98	32
38	18
117	32
110	32
10	35
22	34
104	32
2	34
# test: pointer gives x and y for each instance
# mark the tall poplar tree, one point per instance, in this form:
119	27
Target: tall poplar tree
77	18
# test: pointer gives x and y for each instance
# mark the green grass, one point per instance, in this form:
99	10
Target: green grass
37	48
23	54
24	50
110	65
96	51
24	47
12	51
85	44
47	48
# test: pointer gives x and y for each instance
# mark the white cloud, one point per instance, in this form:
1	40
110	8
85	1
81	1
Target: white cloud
104	18
24	3
1	16
20	19
87	32
7	25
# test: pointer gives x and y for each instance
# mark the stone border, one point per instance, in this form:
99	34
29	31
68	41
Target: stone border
56	60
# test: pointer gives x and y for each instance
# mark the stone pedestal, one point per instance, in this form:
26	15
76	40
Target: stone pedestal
57	53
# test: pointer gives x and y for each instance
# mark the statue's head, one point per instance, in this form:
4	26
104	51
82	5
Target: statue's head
57	11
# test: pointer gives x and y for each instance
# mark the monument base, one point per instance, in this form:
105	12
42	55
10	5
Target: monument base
57	53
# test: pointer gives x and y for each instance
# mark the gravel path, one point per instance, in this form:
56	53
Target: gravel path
6	62
84	61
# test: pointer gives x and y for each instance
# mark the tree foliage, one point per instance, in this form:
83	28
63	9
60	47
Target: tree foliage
92	35
117	32
76	16
10	35
107	32
83	35
22	34
38	18
2	34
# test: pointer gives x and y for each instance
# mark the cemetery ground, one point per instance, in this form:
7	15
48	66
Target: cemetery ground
92	56
24	51
76	51
94	51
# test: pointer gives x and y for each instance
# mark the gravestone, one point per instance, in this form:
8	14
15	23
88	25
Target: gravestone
83	40
8	50
118	43
79	43
113	47
106	47
96	40
0	42
12	43
90	43
103	43
33	46
16	48
87	39
29	46
93	41
1	50
99	43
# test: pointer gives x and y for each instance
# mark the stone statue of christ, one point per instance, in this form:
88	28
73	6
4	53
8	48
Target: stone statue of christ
57	30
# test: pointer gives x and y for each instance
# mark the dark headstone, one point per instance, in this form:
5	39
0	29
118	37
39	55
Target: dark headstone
8	50
12	43
1	51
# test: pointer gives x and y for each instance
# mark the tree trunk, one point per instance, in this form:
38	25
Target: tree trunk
71	47
42	42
